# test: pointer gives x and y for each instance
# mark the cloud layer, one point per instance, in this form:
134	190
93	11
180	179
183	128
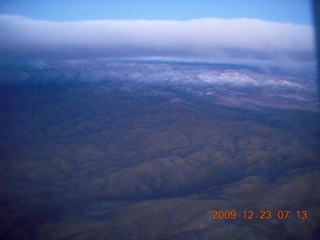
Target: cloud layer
199	39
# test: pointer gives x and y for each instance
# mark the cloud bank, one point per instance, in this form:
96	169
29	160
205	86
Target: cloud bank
200	39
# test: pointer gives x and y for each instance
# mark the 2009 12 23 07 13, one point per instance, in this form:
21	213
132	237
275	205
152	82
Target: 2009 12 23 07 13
261	214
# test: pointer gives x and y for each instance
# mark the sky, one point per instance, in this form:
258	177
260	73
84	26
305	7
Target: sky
293	11
229	30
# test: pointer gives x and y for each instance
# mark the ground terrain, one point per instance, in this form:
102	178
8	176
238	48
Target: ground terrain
118	158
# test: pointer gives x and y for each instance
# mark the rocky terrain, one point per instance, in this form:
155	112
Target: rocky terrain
97	153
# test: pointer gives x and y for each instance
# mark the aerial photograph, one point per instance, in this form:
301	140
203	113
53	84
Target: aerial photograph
159	120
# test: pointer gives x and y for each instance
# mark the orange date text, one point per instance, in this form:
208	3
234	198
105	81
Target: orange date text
261	214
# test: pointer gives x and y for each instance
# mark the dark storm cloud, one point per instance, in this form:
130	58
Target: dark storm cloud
210	39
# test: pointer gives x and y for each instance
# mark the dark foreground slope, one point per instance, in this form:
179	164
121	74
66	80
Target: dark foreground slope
129	160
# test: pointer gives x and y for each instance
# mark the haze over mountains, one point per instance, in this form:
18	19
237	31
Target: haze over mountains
231	84
148	149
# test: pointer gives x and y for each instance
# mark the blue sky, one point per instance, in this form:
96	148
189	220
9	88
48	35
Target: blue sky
292	11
